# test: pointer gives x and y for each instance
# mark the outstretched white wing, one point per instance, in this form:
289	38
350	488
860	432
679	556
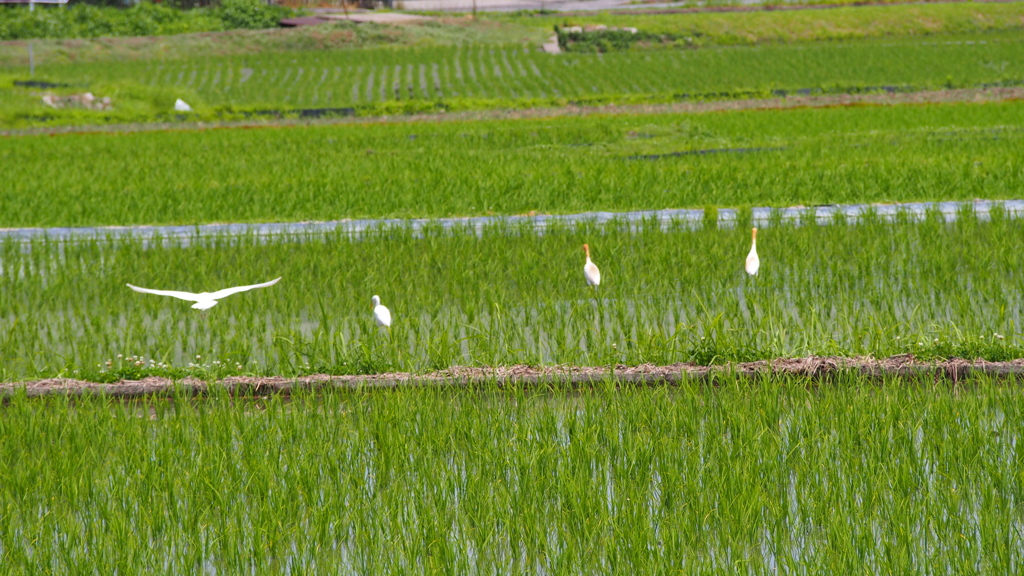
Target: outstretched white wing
172	293
229	291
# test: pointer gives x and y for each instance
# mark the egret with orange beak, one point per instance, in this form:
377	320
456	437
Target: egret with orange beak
590	271
753	262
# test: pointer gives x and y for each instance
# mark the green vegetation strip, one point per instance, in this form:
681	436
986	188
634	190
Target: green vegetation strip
563	165
81	20
770	25
845	478
510	296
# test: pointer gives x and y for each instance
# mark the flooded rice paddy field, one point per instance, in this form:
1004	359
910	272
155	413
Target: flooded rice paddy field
446	74
741	477
504	294
760	217
726	475
360	173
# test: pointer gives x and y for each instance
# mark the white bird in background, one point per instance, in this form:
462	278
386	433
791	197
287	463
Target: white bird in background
753	262
381	313
203	300
590	270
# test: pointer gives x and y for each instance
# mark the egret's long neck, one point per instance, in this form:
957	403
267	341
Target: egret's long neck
753	239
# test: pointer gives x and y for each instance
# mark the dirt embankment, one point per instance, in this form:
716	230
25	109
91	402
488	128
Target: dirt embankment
817	368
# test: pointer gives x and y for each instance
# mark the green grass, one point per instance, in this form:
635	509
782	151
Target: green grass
564	165
707	29
787	26
932	289
81	20
847	478
390	80
331	36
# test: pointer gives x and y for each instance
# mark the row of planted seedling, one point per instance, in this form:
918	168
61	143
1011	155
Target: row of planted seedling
741	476
562	165
517	72
506	295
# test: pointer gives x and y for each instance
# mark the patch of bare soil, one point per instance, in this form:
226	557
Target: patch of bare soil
816	368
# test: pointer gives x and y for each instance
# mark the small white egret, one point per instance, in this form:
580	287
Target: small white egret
753	262
181	106
590	271
381	313
203	300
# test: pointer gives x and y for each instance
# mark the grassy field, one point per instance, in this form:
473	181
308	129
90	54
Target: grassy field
786	26
707	29
140	19
838	479
447	30
565	165
512	296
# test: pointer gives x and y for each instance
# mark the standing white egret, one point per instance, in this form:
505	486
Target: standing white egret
753	262
204	300
381	313
590	271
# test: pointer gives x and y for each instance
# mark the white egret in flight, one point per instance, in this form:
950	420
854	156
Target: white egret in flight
203	300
